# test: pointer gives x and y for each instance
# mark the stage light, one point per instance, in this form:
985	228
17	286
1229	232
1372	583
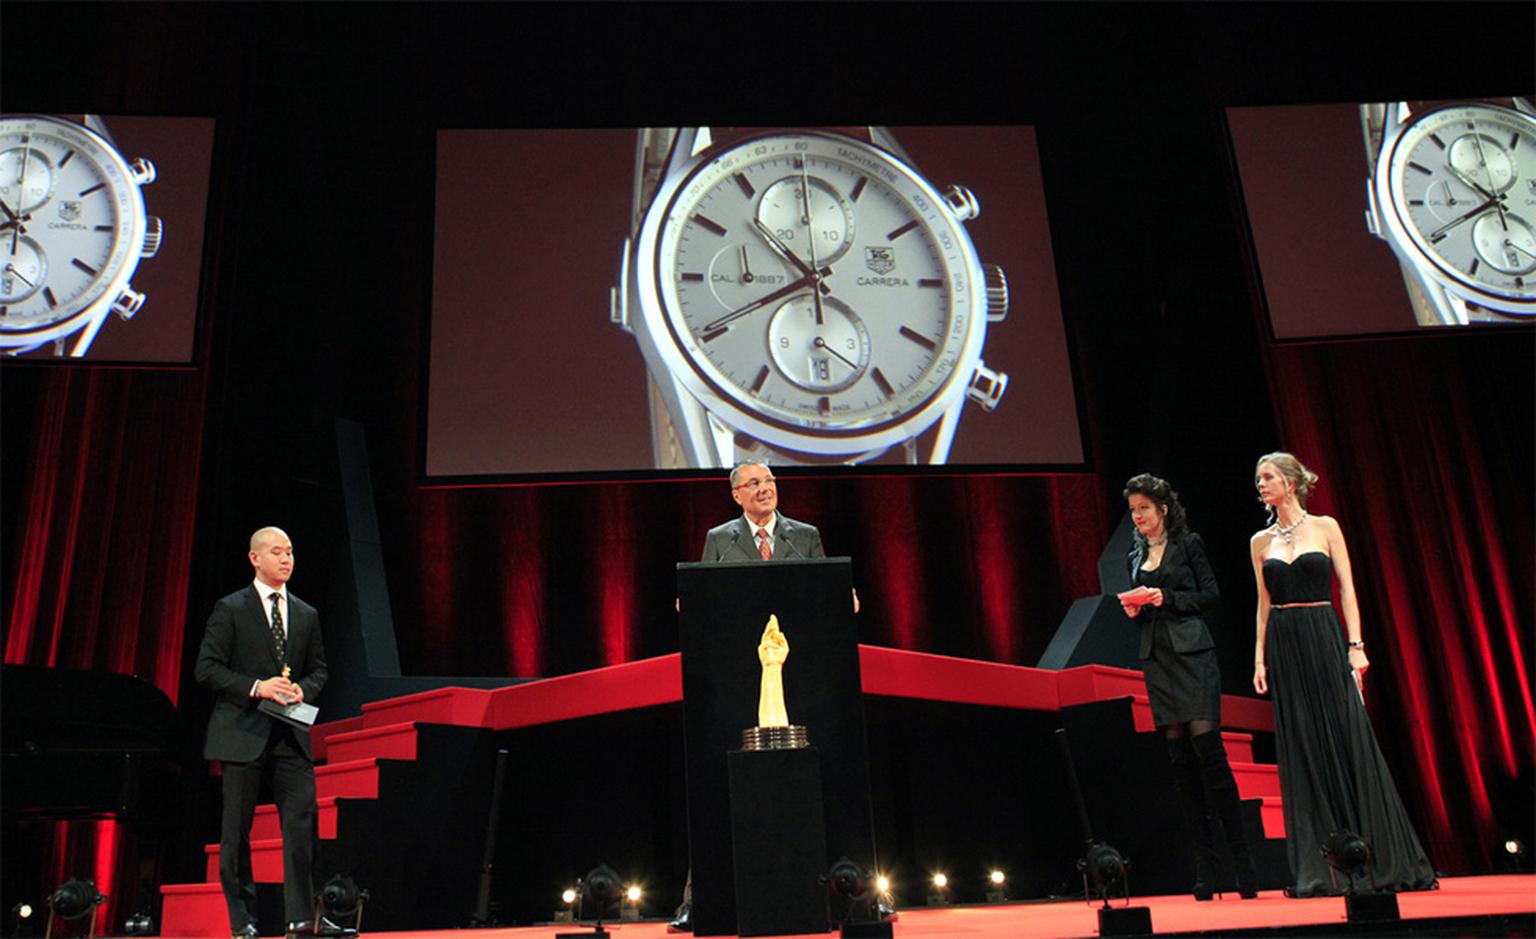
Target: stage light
1347	853
340	898
938	889
997	886
633	894
1514	846
629	911
848	889
1103	869
600	893
75	899
21	920
883	884
568	897
940	881
139	924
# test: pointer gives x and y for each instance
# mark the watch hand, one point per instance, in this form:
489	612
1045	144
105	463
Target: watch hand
1497	201
11	269
810	235
821	343
1510	243
1467	180
757	304
779	248
746	269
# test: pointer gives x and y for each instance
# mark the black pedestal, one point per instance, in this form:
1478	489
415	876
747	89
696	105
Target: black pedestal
779	841
1125	921
1371	907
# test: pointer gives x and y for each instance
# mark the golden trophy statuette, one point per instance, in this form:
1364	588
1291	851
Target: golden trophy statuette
773	730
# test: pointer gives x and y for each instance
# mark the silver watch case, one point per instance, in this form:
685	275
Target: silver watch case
1454	300
707	418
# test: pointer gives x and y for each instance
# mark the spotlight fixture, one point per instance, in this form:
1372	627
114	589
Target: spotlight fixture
848	909
22	923
1349	854
139	924
73	900
629	910
601	891
1514	846
567	911
938	889
568	897
997	886
1106	873
883	884
340	899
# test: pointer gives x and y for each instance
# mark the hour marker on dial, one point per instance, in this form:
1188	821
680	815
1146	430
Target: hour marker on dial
917	337
709	224
897	233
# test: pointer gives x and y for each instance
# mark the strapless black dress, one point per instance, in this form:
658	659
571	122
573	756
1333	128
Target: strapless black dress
1332	775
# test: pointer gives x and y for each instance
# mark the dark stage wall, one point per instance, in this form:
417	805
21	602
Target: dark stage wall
127	495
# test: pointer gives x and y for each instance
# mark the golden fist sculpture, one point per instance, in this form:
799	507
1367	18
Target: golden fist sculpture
772	651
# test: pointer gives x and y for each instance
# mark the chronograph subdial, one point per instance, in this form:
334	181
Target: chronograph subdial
809	216
1506	243
23	270
740	273
825	356
1481	160
26	179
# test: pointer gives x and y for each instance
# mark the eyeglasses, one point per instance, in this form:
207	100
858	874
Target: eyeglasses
756	484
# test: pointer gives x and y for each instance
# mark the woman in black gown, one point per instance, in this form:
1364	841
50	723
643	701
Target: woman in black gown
1174	588
1332	775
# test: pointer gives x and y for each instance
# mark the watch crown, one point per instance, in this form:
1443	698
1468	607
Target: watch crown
986	387
128	303
962	202
997	292
143	171
154	229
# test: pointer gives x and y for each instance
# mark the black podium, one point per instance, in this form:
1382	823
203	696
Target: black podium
724	608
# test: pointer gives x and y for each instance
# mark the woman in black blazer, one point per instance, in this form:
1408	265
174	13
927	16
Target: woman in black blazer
1174	587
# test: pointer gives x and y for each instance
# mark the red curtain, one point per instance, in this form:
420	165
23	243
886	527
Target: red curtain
105	519
1424	449
105	468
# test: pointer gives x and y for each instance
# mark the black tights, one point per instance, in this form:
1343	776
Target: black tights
1191	729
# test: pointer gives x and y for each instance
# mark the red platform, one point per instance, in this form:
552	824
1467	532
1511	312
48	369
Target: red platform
351	748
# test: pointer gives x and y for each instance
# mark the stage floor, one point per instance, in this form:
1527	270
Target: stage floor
1510	895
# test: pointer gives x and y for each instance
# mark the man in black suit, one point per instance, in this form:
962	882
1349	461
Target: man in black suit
263	643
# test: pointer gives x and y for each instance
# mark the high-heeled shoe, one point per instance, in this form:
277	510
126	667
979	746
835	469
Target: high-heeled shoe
1221	796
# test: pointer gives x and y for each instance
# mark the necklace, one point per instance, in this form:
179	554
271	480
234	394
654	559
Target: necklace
1289	532
1158	543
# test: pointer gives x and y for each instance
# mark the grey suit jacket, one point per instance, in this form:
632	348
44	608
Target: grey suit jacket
237	651
733	541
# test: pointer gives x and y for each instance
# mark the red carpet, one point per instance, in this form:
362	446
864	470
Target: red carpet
1458	896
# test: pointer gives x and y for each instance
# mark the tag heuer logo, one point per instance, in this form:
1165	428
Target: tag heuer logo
881	260
69	211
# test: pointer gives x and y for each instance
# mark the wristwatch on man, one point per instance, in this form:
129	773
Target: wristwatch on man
1453	192
73	232
803	297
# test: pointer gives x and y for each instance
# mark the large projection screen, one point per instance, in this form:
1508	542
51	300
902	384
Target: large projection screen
1389	217
528	377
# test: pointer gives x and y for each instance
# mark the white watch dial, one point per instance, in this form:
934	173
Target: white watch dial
1462	184
71	232
818	285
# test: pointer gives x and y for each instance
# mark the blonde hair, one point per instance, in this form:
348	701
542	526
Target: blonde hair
1301	479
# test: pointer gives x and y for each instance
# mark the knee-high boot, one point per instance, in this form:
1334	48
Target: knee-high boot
1189	783
1222	799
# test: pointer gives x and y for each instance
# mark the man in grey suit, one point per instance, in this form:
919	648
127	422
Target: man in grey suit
760	533
263	630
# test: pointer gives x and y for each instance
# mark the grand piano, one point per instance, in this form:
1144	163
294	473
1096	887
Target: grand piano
87	745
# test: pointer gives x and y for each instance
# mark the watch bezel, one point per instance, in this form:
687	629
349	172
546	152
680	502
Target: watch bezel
670	338
1387	177
95	303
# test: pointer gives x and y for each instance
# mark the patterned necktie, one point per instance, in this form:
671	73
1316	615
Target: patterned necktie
764	545
280	641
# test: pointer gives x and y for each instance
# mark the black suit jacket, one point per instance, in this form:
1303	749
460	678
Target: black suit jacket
1189	591
734	541
237	651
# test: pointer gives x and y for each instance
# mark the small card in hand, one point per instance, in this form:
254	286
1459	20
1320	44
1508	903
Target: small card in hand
298	713
1136	596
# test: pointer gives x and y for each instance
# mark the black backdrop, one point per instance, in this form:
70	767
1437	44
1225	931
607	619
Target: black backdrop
318	278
